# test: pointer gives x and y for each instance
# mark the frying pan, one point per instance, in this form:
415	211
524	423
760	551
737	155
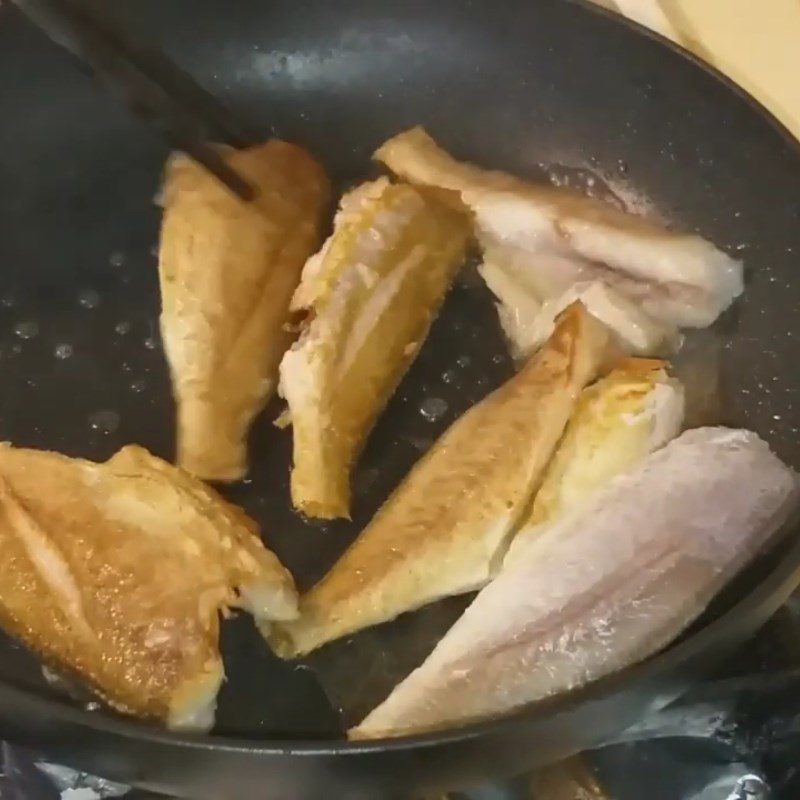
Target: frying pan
544	87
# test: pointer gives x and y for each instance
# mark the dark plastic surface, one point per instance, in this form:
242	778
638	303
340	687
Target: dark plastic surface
519	85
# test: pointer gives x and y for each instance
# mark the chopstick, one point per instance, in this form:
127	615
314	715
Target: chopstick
154	88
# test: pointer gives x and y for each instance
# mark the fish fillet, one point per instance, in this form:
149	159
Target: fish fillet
227	271
618	421
370	296
444	529
527	328
603	588
117	573
549	239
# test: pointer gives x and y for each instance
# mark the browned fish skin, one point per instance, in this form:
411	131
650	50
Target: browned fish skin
227	272
371	295
444	529
117	573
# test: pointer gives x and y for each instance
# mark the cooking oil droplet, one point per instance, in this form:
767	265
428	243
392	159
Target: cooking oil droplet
139	385
8	301
62	351
432	408
449	376
117	258
104	421
121	328
16	349
498	358
89	298
26	330
150	343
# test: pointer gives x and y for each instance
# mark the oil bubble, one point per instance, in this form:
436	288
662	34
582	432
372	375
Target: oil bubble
62	351
432	408
89	298
104	421
449	376
26	330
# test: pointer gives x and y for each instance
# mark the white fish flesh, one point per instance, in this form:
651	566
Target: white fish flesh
553	238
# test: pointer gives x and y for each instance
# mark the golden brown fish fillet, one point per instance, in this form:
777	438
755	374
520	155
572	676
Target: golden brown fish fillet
547	239
117	573
227	271
371	295
444	529
618	421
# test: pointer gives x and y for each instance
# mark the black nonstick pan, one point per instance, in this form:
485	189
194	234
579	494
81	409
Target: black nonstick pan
546	88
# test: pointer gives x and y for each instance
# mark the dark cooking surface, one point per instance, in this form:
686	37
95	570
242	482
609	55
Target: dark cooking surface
514	85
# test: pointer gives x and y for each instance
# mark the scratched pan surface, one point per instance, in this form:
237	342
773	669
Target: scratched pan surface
550	89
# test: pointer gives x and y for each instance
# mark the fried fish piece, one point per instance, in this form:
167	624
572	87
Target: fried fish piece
445	528
227	272
604	588
370	296
117	572
549	239
618	421
527	326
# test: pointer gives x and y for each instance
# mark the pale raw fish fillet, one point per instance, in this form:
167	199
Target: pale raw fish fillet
116	573
227	271
604	587
526	328
553	238
370	296
444	530
618	421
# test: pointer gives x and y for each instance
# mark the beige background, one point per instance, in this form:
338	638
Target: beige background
756	42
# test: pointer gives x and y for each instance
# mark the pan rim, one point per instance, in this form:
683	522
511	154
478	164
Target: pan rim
759	604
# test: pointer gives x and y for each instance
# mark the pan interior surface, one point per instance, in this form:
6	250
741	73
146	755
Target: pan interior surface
546	90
